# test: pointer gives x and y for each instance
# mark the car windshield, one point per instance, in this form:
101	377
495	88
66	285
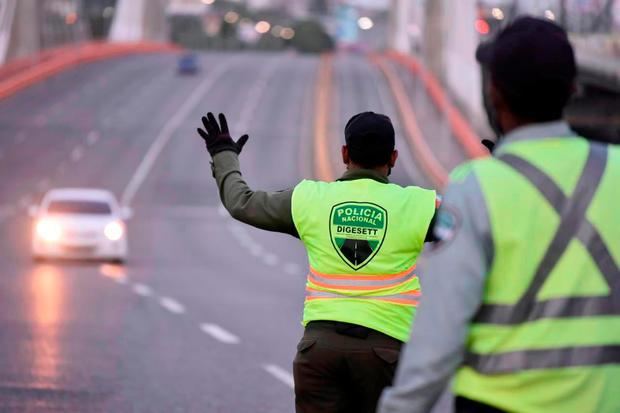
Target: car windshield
79	207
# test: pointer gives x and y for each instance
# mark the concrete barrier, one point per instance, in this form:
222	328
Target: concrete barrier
461	128
25	72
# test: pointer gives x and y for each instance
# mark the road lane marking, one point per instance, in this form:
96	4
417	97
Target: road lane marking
322	166
252	98
143	290
256	250
77	153
172	305
461	128
427	159
145	166
271	259
292	269
405	158
280	374
92	138
219	333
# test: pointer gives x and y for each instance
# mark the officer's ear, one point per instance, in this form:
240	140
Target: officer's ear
345	155
393	159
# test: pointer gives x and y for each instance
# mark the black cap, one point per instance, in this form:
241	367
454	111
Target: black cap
531	58
369	128
371	139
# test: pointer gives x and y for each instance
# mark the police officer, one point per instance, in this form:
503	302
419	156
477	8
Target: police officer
522	297
363	236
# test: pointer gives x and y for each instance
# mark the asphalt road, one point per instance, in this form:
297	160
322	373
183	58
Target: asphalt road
205	315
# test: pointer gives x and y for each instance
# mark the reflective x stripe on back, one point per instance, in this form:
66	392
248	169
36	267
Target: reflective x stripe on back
573	224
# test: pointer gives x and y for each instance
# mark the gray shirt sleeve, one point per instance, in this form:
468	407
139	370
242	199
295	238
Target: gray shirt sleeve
453	274
265	210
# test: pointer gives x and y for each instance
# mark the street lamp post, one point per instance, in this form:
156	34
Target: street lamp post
399	21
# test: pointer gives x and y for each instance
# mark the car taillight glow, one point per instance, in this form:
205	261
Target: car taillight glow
482	26
114	230
49	230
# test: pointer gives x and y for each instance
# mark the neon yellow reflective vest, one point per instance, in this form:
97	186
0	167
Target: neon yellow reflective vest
547	335
363	238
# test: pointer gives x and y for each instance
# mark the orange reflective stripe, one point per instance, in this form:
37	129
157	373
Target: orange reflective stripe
357	282
363	277
405	298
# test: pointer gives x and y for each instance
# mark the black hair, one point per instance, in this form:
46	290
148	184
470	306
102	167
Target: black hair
371	155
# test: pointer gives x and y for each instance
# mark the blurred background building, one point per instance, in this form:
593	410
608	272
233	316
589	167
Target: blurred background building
443	33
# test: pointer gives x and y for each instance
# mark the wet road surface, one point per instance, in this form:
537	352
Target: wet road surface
205	315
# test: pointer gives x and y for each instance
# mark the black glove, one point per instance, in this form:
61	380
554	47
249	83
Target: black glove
217	137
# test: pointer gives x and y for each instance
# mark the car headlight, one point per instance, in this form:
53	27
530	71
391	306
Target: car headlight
49	230
114	230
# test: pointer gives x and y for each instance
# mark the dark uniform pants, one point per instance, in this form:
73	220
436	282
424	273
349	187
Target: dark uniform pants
342	368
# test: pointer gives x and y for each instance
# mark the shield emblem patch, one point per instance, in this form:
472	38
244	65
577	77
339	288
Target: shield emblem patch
357	231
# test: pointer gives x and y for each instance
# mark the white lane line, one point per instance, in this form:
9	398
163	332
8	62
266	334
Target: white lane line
280	374
92	138
172	305
166	133
292	269
252	97
143	290
256	250
219	333
77	153
271	259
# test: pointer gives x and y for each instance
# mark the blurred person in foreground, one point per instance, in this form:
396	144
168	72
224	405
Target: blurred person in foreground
522	295
363	236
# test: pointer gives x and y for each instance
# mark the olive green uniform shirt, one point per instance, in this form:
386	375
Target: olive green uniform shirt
270	211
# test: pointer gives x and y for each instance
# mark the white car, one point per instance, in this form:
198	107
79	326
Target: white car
78	223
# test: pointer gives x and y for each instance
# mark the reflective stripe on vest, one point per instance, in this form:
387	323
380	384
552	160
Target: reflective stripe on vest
357	282
408	298
573	224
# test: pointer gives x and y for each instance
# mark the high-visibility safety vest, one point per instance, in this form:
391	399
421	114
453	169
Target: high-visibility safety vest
547	335
363	238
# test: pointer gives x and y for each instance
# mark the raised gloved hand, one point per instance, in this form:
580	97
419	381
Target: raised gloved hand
216	136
